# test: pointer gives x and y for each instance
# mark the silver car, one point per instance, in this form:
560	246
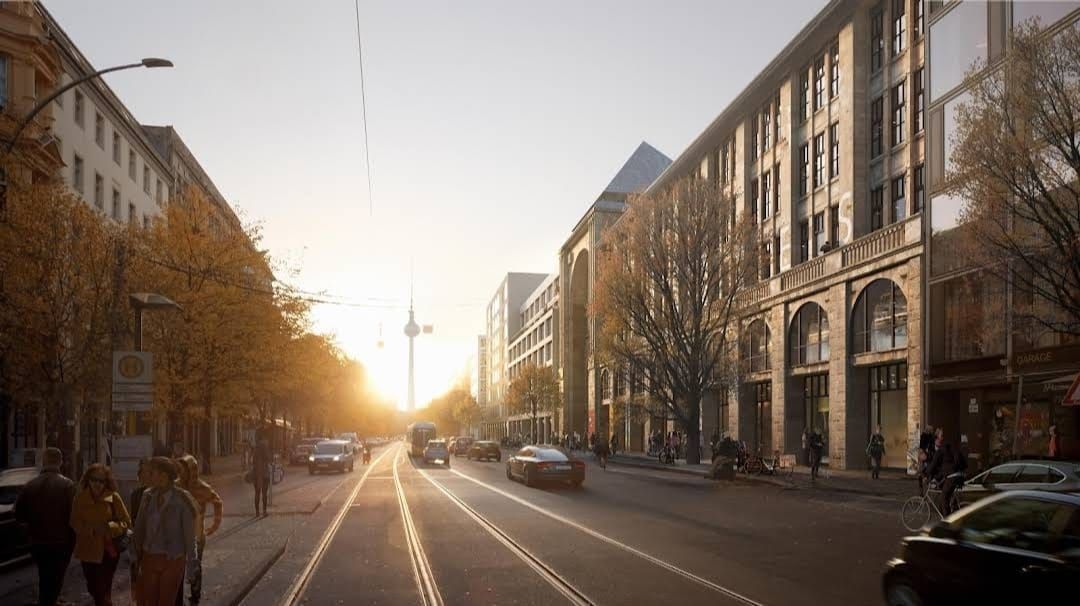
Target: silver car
436	450
1051	476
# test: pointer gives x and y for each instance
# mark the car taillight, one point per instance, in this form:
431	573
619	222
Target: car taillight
578	463
543	465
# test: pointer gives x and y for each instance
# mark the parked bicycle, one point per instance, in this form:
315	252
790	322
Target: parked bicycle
667	455
918	510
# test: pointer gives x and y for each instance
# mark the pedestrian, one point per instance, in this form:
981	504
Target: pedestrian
1053	447
44	505
817	448
164	540
876	450
178	450
926	452
136	500
261	461
204	495
101	525
614	443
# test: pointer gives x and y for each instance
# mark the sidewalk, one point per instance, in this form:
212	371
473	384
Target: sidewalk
893	484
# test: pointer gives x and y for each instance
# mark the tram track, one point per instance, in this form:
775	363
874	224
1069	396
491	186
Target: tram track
425	578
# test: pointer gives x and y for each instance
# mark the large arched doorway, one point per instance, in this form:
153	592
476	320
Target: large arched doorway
577	364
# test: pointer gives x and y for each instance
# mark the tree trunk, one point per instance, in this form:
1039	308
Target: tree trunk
204	440
693	431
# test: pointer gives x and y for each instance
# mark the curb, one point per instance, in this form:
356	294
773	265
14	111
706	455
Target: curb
237	596
667	468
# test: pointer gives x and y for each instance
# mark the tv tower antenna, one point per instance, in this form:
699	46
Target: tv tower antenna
412	330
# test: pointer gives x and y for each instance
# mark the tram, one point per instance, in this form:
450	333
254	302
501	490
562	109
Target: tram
418	435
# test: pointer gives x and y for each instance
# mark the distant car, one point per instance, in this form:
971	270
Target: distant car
351	437
436	450
484	449
1052	476
331	455
302	450
14	540
536	464
460	446
1018	547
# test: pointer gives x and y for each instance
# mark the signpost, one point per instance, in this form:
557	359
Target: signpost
133	381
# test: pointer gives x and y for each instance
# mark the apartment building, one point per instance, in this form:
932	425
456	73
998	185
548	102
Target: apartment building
824	149
187	172
482	396
109	161
991	376
502	320
536	343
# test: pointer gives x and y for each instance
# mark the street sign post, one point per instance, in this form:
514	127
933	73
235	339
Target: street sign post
133	381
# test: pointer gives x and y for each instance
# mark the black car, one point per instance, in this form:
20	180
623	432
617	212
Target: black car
1014	547
14	540
332	455
484	449
460	446
536	464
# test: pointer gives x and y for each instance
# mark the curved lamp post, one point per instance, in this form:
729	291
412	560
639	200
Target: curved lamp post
148	62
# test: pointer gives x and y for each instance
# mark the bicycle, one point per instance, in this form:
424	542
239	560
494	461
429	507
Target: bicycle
917	510
667	455
277	471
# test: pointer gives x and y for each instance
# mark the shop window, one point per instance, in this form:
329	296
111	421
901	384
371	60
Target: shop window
809	335
879	322
888	410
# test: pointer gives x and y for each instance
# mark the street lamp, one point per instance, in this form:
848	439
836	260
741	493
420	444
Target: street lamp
150	62
141	301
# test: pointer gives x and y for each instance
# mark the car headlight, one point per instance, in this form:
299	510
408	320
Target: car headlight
311	458
337	457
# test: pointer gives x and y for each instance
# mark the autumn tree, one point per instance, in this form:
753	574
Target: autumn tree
465	409
1015	159
534	390
670	276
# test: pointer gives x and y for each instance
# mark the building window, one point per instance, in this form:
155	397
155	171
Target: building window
755	138
146	178
724	165
834	225
804	95
159	195
819	83
918	19
776	119
819	159
131	213
809	335
834	150
131	164
899	199
804	169
898	101
765	263
4	80
920	189
804	241
898	26
766	127
816	406
959	40
116	148
834	70
776	191
876	110
77	173
776	255
766	197
99	130
877	39
146	221
116	204
920	98
819	232
880	318
756	347
877	219
79	109
99	191
754	199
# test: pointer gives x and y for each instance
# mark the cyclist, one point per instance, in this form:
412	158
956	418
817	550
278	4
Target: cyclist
601	450
948	467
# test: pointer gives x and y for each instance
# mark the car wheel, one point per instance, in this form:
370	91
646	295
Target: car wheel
577	483
498	458
311	471
352	466
529	477
900	593
509	476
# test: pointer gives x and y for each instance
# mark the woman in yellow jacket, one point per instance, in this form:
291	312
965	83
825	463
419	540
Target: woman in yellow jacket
98	517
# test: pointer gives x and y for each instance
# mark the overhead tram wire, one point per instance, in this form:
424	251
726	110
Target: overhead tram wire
363	112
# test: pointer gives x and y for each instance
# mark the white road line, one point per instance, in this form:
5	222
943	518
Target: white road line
425	579
633	550
296	591
573	594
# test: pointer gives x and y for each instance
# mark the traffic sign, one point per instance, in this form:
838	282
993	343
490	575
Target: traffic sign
133	381
1072	396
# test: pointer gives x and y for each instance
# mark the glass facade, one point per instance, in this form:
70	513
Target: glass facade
1046	12
957	41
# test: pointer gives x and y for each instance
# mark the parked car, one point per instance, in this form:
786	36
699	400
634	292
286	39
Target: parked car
302	450
331	455
1018	547
536	464
436	450
460	446
484	449
14	540
1053	476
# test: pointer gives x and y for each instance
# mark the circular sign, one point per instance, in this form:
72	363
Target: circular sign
130	367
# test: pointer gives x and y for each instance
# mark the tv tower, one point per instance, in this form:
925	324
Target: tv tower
412	329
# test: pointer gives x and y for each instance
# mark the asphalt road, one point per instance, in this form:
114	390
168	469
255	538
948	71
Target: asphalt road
408	533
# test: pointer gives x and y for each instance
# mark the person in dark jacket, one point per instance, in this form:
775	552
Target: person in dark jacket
45	506
817	450
876	450
261	461
926	453
947	468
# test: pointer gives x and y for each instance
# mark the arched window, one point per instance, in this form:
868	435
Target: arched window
605	384
880	319
809	335
756	346
620	382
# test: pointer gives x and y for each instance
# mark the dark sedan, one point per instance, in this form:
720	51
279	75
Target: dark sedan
536	464
1052	476
460	446
14	540
1018	547
484	449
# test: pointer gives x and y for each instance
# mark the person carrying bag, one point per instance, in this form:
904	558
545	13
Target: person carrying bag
101	524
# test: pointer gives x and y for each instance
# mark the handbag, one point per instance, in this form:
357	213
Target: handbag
121	542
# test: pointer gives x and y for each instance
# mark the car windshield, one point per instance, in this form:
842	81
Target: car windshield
436	444
326	448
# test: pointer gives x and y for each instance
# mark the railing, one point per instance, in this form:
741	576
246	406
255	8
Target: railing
755	293
874	244
806	272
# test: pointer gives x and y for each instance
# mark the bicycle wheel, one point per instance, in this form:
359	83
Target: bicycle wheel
279	474
915	513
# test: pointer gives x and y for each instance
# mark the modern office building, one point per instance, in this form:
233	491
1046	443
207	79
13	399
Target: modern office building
536	343
481	371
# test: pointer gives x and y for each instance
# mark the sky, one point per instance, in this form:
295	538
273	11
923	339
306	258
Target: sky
492	127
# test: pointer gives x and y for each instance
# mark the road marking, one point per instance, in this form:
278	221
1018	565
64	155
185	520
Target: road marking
573	594
425	579
633	550
296	591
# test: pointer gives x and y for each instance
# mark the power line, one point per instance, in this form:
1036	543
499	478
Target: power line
363	111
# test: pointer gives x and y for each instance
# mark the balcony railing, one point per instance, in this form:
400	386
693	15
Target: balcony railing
806	272
873	245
